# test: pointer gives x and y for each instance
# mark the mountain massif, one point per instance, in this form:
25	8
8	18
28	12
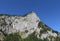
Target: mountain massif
25	28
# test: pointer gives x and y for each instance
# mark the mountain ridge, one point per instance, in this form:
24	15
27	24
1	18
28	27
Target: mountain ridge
27	26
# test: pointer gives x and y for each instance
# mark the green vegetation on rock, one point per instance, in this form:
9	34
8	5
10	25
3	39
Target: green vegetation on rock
12	37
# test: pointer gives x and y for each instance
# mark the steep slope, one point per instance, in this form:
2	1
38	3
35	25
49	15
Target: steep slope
25	28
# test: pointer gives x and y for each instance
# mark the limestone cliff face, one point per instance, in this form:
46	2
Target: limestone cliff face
26	25
12	24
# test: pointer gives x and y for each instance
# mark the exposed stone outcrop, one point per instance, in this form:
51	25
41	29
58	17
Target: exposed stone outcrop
12	24
25	25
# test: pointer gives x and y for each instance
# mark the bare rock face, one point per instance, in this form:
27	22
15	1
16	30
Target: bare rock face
26	25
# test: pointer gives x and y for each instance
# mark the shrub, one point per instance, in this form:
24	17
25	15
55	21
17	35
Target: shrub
13	37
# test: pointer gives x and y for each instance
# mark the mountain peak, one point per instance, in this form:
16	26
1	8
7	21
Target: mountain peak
26	26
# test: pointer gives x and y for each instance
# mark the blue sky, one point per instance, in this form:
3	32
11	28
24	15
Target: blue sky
47	10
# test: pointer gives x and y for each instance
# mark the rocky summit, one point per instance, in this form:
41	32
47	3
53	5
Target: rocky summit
25	28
